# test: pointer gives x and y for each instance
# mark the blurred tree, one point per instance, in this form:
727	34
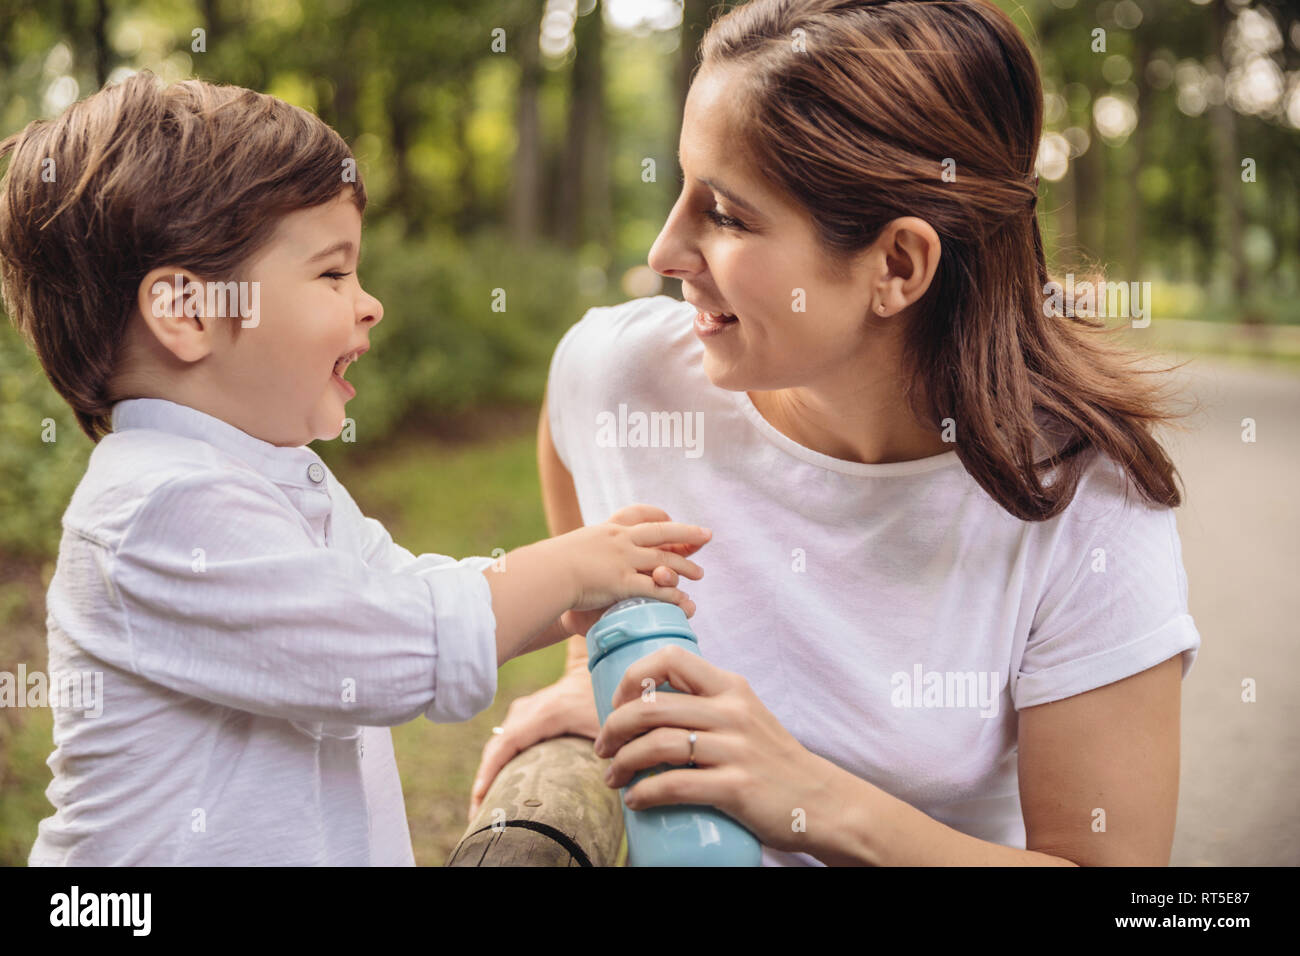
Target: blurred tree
526	182
696	17
585	211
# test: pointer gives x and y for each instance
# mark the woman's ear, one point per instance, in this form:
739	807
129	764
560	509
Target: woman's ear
911	251
170	300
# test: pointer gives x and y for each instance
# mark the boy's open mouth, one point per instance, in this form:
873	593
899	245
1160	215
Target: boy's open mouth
344	361
341	366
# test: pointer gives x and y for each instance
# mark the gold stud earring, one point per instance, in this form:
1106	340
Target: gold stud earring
880	307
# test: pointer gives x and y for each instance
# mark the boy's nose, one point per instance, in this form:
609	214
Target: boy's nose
372	310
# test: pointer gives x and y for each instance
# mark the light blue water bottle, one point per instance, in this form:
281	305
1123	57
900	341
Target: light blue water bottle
681	834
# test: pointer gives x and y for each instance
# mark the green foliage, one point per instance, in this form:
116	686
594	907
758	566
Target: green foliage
37	477
440	347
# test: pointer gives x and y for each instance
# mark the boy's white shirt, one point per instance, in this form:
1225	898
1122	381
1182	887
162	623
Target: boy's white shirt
256	635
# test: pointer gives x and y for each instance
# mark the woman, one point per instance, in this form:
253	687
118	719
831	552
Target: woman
937	626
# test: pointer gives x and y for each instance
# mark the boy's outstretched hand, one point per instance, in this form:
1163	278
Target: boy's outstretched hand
664	574
588	570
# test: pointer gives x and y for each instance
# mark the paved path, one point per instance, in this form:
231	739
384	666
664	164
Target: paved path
1239	795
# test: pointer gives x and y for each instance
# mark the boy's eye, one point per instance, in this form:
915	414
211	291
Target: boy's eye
335	275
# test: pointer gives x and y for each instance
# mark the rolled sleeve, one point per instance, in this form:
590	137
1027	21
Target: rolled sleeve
466	671
1113	664
465	676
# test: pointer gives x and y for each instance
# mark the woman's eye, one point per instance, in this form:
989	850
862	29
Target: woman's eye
726	222
715	217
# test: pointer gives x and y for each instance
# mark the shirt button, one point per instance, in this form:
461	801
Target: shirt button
315	472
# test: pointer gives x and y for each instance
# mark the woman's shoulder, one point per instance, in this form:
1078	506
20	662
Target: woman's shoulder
635	353
1108	509
1107	491
627	347
654	319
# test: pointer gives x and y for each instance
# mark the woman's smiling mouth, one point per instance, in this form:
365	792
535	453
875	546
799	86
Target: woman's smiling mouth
711	323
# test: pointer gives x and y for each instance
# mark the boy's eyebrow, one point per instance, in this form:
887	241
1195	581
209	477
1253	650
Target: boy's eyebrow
344	246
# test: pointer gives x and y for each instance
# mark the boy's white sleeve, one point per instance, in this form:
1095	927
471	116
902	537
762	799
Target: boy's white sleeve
268	621
382	552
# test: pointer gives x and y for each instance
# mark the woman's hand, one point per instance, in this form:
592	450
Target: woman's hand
566	707
746	764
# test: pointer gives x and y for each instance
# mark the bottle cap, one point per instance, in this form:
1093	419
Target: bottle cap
632	620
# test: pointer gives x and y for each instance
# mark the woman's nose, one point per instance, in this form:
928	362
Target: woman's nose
672	254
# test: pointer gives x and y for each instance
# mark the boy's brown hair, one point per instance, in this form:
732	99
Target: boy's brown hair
139	176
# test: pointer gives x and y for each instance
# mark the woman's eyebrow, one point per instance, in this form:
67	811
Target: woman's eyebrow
730	196
722	190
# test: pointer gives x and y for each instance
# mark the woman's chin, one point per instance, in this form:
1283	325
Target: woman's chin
723	376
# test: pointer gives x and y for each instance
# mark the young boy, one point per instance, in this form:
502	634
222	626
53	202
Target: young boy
183	261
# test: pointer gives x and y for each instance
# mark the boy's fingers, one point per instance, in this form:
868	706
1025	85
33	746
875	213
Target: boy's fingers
688	568
673	596
656	533
683	549
665	576
636	514
677	563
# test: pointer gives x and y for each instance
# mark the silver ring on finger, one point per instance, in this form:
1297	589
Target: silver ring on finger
690	762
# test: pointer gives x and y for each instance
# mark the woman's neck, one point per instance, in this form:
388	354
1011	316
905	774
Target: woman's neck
860	427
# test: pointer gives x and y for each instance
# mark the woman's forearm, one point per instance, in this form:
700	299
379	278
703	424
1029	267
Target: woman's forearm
863	825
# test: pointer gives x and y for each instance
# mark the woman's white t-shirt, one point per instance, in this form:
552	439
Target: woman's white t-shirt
893	617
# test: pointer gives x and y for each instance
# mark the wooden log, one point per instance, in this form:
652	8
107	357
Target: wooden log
549	806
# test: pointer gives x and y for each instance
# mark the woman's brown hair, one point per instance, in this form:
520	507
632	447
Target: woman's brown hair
139	176
852	108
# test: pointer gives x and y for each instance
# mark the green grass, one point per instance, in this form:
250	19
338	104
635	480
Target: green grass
25	742
459	499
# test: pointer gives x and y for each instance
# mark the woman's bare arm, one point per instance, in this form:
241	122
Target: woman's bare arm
560	502
1113	749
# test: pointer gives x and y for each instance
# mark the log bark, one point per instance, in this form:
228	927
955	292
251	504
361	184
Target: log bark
548	807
